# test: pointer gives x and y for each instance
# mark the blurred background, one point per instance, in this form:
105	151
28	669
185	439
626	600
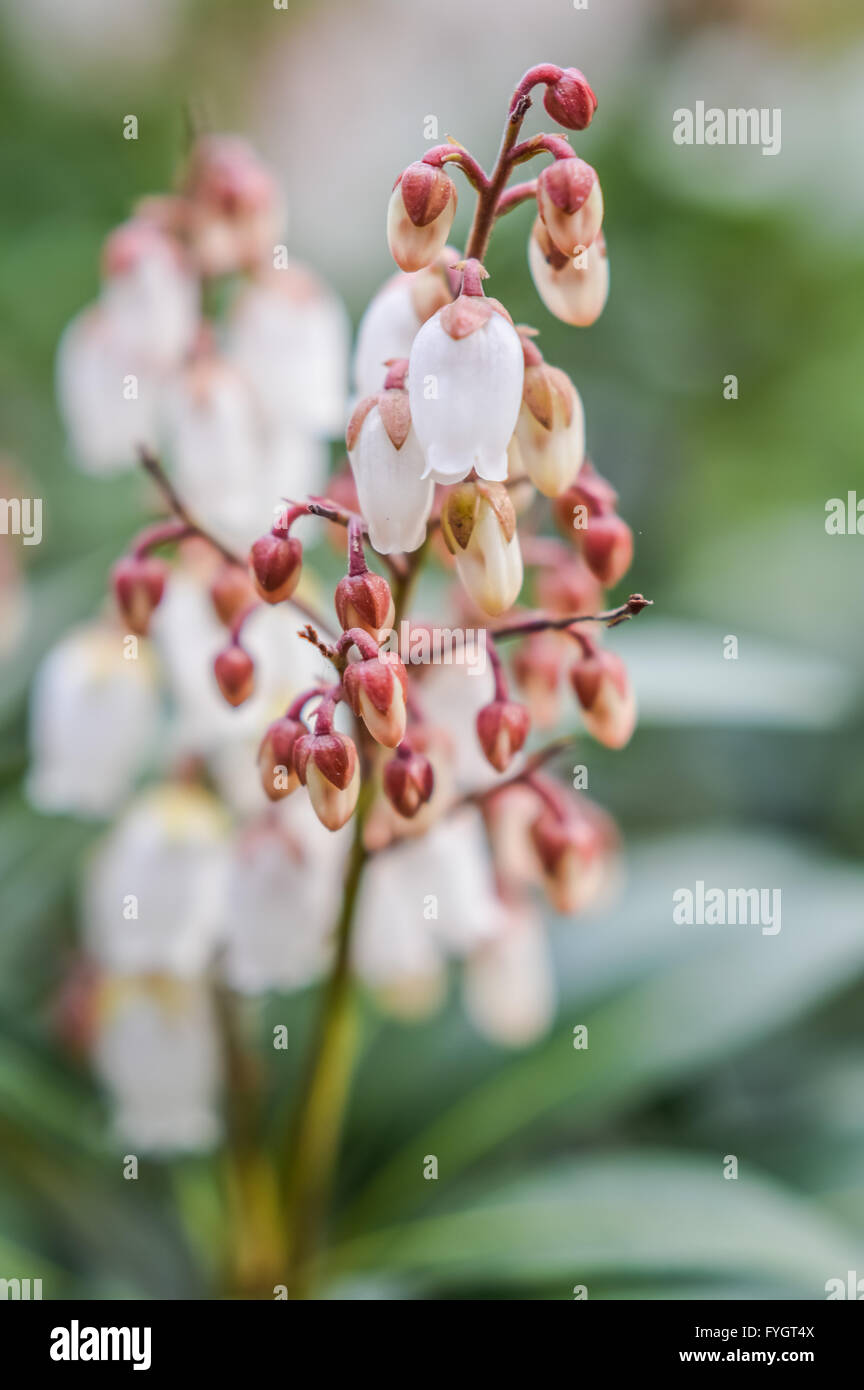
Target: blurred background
557	1167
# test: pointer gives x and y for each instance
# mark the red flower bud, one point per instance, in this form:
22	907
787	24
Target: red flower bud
570	101
409	781
376	690
139	583
502	728
276	561
420	215
574	850
569	587
231	593
607	544
364	600
235	674
276	757
603	689
570	202
328	767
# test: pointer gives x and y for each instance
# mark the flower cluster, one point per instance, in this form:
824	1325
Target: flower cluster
285	716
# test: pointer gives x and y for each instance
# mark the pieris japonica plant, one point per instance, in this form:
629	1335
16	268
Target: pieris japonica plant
327	771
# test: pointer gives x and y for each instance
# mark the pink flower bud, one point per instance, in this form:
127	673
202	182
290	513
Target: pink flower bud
604	691
234	208
591	495
569	587
537	669
139	583
574	853
231	592
607	544
376	691
576	290
276	757
329	769
235	674
409	781
365	600
276	561
420	215
570	101
570	202
502	728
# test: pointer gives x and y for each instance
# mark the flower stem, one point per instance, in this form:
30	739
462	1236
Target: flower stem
314	1137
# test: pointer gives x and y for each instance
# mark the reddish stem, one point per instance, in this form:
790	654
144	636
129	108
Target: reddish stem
361	639
519	193
501	689
356	554
454	154
160	534
327	708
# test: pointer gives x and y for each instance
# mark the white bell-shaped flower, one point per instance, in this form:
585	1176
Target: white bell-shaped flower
107	395
388	466
156	1049
155	890
150	294
465	385
93	721
389	326
509	984
289	335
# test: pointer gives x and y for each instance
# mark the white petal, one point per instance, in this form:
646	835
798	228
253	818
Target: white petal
394	498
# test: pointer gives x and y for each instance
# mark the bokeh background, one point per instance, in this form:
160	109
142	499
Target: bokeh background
557	1168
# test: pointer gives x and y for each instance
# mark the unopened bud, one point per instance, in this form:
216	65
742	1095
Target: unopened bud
574	853
276	758
408	781
231	593
607	544
329	769
478	522
276	562
570	202
139	583
502	728
364	600
376	691
235	674
570	101
420	215
603	689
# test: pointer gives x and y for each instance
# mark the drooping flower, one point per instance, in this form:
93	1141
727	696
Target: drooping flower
502	728
605	694
93	721
465	378
388	467
376	689
233	210
156	1050
479	527
551	424
570	203
574	290
420	215
329	769
389	325
508	985
155	889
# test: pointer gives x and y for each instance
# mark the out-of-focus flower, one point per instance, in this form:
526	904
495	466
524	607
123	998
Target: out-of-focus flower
235	674
538	666
289	335
408	780
420	901
465	384
93	721
574	290
388	467
508	984
502	728
155	889
575	844
420	215
479	526
282	898
606	696
139	583
149	295
157	1052
234	210
108	398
